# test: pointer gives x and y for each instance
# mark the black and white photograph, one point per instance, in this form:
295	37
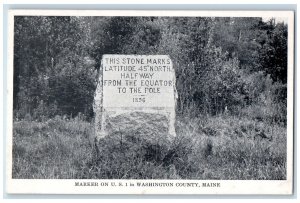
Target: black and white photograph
151	102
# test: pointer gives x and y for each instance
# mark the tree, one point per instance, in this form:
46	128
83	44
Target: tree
274	52
44	48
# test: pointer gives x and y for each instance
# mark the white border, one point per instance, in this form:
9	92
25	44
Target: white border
46	186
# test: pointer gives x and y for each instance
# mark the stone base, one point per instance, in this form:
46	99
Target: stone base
153	124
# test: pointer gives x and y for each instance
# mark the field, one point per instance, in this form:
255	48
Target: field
231	80
222	147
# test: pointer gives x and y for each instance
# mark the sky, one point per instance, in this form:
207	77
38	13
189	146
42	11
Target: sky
277	19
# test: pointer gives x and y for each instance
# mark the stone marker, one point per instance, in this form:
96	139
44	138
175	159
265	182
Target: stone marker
136	95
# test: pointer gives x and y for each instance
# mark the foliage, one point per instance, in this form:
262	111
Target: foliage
53	72
216	60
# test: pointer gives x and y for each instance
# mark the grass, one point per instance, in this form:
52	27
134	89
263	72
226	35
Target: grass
221	147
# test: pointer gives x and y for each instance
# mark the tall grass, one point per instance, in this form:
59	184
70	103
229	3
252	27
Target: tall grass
52	149
221	147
